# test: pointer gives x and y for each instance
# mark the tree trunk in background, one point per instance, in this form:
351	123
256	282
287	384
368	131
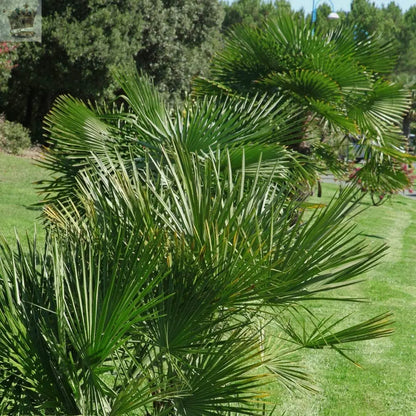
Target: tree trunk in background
406	125
406	128
29	108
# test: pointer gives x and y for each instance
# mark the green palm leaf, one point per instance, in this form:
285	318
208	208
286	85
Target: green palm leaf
178	232
324	334
335	78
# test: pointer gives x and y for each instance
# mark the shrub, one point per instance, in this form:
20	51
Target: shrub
13	136
8	56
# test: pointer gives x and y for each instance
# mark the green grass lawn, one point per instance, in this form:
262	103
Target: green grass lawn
386	383
17	196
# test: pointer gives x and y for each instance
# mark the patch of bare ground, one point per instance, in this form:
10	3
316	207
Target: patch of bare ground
34	152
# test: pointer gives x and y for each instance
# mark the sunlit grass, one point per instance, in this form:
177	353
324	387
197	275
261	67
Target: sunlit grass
386	383
17	197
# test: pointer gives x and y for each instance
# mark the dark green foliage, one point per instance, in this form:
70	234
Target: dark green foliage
83	42
251	12
80	45
408	38
392	24
177	41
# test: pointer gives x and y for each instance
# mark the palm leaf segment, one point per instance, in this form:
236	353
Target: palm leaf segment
333	77
171	257
258	125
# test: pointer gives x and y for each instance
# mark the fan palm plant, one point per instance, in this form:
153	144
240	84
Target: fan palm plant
248	126
174	245
335	79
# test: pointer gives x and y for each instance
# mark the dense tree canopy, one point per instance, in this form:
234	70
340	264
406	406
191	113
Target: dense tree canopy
80	45
251	11
177	41
83	41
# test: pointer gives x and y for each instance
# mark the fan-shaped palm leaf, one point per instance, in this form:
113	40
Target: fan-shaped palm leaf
334	77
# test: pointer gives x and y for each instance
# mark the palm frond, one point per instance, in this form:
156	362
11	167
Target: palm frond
324	333
334	77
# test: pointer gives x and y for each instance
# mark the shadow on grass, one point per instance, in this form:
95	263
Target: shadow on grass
32	208
372	236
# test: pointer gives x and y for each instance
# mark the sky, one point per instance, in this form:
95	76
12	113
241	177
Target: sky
344	4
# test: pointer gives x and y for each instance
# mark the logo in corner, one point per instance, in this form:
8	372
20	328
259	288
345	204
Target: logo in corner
20	21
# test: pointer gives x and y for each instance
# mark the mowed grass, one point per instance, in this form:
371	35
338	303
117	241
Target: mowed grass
17	197
386	382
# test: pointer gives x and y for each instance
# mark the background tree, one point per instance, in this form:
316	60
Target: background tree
83	41
177	41
364	15
407	61
392	27
251	12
